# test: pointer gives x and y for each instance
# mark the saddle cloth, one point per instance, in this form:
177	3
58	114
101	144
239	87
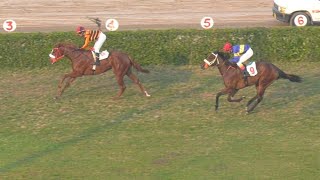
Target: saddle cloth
103	55
252	68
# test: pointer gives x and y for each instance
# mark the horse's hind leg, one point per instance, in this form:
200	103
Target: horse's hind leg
248	108
135	79
121	85
255	100
261	88
230	97
251	100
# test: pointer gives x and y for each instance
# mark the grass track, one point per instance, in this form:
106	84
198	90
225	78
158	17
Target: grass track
175	134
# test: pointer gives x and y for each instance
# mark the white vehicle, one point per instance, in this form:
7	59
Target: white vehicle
297	12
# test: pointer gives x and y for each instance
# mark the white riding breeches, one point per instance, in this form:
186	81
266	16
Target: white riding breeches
102	38
245	56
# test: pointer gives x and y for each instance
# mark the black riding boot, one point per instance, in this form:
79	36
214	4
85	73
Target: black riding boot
97	59
245	75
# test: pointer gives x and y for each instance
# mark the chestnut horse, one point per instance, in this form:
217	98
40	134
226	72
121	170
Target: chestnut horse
82	64
234	80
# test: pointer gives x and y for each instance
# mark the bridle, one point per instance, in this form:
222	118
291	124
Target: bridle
213	61
53	57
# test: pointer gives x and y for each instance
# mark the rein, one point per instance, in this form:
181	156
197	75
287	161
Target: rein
81	53
61	55
230	67
210	63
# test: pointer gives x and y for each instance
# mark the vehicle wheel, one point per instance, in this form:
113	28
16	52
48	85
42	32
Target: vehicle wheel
300	19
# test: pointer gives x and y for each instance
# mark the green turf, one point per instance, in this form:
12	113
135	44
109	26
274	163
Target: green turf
175	134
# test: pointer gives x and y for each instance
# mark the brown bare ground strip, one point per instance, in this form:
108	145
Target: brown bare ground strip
63	15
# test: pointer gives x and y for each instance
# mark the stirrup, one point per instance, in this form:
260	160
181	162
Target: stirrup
97	62
245	73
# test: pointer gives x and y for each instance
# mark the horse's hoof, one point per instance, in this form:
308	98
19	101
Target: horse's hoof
146	93
116	98
248	111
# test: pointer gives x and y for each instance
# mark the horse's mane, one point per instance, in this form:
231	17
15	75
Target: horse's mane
224	56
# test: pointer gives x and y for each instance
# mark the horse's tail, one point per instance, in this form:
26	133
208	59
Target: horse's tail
290	77
137	66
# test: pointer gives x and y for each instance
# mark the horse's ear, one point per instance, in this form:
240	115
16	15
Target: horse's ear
221	54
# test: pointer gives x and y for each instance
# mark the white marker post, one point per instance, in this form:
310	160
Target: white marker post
207	22
112	24
9	25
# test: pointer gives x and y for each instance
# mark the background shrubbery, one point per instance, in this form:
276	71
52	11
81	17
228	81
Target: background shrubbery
177	47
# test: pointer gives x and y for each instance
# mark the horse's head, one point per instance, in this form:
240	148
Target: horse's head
211	60
59	51
214	59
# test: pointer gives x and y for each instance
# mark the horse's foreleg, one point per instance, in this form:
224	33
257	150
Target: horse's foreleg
224	91
68	83
62	80
62	86
135	79
230	97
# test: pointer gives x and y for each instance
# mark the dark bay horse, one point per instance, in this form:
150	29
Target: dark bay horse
82	61
233	78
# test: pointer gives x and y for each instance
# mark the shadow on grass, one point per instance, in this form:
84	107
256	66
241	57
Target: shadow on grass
184	75
160	77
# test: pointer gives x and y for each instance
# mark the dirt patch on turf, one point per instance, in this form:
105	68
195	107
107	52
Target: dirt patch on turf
63	15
